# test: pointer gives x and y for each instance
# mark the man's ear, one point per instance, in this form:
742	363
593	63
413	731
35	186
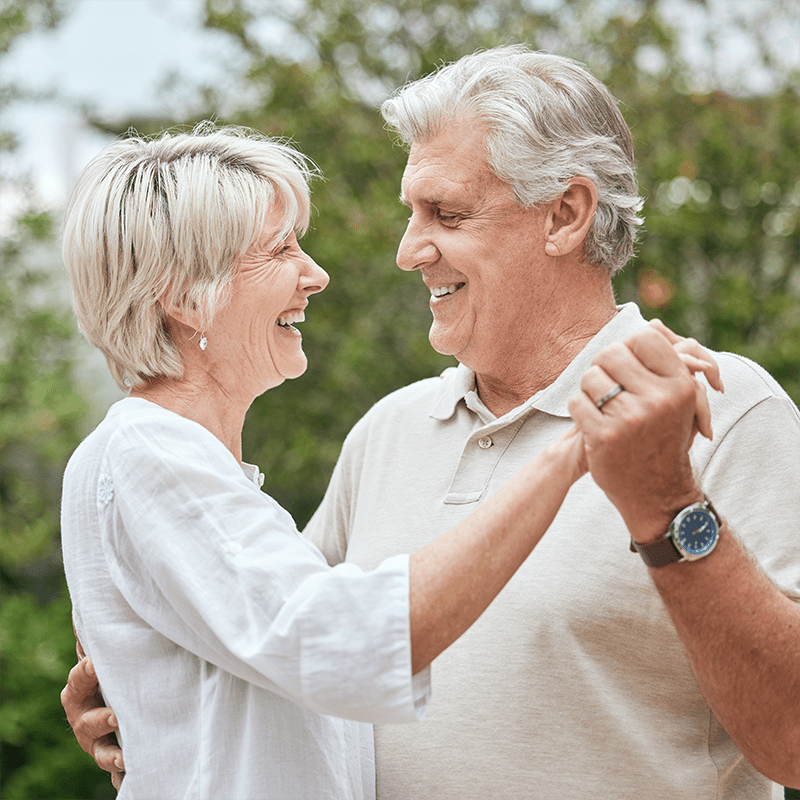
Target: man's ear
570	216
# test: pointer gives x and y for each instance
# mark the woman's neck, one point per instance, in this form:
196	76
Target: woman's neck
204	402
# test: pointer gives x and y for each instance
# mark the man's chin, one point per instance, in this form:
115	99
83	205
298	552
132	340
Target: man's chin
445	342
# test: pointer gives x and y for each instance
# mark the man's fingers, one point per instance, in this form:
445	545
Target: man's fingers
596	383
78	645
81	692
582	410
621	365
92	723
116	779
655	352
92	726
81	686
108	755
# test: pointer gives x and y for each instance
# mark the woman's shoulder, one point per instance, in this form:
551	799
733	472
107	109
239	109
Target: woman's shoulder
135	430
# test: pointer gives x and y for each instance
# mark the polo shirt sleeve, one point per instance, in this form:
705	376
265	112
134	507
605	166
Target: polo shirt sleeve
328	529
218	567
751	469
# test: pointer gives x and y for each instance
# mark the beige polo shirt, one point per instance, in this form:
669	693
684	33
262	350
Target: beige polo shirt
574	682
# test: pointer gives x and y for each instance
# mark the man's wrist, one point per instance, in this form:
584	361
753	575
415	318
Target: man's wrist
658	523
693	534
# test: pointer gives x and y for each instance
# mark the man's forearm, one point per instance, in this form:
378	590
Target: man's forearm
742	637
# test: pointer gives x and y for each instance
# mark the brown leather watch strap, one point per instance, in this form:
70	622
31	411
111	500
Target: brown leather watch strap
658	553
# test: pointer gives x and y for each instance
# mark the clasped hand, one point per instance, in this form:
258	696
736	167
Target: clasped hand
637	445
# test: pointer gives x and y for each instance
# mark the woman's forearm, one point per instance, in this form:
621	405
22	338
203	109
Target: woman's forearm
456	577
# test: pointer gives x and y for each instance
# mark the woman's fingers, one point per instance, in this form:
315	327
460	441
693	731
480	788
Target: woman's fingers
702	411
698	358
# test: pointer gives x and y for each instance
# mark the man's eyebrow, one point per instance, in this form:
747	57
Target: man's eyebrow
425	202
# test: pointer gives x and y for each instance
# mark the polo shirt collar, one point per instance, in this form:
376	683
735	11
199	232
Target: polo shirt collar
458	384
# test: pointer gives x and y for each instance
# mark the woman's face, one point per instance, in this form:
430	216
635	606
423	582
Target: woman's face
255	332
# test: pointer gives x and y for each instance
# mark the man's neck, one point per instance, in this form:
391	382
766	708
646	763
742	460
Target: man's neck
537	361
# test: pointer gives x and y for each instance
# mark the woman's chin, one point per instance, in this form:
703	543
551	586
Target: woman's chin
294	368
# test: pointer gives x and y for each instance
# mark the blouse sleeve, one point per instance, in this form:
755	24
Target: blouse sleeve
218	567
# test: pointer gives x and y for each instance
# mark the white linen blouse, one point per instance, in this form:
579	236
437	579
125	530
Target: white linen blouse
221	637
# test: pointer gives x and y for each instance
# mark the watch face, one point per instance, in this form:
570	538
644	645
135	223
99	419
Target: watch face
697	532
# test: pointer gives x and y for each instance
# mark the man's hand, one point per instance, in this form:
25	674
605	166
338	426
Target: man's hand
637	446
92	723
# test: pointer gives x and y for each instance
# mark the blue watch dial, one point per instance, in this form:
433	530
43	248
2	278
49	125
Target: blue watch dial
697	532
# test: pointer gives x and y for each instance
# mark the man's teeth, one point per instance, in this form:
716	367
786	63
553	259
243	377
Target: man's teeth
287	320
440	291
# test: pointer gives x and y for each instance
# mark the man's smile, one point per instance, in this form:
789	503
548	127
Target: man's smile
442	291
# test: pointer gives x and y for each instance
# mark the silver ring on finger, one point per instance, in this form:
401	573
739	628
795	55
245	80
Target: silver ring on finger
609	395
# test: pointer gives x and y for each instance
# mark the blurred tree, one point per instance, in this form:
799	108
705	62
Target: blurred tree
41	420
718	163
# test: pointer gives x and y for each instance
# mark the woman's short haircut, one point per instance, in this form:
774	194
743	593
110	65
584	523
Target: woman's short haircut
548	120
163	222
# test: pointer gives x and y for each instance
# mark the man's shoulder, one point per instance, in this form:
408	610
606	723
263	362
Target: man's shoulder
746	385
412	399
399	418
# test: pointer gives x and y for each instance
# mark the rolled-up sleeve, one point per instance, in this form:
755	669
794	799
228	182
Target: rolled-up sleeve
218	567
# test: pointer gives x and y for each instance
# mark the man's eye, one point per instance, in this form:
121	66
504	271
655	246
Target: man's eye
448	218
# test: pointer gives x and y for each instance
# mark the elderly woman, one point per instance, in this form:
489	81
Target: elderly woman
238	662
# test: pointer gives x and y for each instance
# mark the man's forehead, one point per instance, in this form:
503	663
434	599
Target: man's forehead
441	182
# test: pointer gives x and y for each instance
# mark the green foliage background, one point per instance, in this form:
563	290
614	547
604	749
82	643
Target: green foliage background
719	260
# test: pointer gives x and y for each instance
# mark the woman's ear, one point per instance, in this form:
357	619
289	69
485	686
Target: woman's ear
181	313
570	217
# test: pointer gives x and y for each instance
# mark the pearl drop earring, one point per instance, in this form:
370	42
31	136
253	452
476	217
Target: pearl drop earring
203	340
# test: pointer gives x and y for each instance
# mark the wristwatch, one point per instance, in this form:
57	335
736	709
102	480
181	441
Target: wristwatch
693	534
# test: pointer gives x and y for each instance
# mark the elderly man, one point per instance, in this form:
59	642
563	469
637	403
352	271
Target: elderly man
673	674
590	675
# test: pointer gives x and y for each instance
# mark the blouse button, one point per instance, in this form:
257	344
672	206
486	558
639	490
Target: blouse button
485	443
234	548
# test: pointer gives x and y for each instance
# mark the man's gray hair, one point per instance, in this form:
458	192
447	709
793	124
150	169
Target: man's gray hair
548	120
165	221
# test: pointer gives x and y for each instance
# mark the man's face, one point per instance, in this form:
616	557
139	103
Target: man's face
480	253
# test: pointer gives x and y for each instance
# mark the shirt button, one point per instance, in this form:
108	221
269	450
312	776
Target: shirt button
234	548
260	479
485	443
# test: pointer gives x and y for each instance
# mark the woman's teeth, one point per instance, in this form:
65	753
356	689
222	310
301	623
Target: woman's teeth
289	319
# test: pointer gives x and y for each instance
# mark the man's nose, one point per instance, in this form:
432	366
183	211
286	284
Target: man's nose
416	248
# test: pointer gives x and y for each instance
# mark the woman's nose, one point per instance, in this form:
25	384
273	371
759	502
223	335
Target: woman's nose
314	279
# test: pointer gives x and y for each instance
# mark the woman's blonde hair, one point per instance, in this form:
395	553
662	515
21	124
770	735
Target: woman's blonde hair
163	222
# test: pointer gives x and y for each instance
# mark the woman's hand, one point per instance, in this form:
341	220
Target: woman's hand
697	359
92	723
